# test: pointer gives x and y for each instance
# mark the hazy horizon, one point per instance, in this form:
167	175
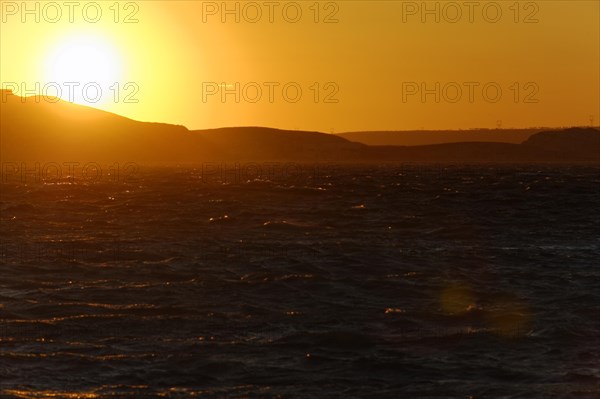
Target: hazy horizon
38	98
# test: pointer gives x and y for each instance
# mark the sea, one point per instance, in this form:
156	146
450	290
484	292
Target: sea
284	280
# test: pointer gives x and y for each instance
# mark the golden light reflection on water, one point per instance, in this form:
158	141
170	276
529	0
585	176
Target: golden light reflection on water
49	394
135	391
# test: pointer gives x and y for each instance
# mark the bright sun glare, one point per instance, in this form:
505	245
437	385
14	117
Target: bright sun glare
84	70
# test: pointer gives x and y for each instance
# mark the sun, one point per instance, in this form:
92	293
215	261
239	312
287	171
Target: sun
84	70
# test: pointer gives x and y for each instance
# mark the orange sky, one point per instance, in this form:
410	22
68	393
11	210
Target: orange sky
359	65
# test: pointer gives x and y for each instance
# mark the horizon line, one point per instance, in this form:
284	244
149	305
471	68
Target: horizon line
8	92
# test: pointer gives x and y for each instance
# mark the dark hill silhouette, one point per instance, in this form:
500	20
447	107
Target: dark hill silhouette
44	130
49	130
582	143
251	143
427	137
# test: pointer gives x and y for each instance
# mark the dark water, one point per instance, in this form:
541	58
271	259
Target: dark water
311	282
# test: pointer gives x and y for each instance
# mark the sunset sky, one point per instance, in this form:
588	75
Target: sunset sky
360	65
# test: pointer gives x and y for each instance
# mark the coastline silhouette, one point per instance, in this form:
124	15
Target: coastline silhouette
54	130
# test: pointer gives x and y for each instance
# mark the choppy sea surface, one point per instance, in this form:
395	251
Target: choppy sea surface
302	281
